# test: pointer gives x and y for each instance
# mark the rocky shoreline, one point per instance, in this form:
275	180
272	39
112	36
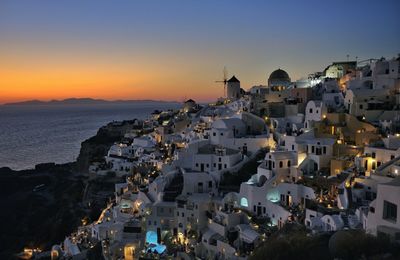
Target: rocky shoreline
43	205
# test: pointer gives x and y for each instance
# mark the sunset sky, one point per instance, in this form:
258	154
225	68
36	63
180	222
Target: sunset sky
173	50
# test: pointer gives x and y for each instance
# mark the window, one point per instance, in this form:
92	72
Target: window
324	149
361	106
310	110
222	134
373	155
280	164
210	184
244	202
373	165
372	209
288	163
389	211
225	165
292	147
312	149
214	134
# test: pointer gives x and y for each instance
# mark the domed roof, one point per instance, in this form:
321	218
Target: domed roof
280	75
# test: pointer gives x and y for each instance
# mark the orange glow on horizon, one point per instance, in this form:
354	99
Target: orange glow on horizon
34	71
61	82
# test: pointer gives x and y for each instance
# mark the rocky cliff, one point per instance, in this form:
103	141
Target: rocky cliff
43	205
95	148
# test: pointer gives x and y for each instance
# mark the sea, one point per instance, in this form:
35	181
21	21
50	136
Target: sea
33	134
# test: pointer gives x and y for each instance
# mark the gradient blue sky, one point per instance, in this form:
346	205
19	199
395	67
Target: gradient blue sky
176	49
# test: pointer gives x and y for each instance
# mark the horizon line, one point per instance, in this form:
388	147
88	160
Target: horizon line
97	99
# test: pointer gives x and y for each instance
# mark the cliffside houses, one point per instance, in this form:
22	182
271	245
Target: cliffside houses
331	161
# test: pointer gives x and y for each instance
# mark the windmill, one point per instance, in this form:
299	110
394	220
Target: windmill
224	80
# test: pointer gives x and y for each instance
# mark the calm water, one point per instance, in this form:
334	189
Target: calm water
36	134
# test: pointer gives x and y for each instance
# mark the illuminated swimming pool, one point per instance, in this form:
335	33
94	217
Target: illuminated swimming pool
154	246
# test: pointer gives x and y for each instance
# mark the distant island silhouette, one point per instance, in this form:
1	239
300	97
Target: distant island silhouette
83	101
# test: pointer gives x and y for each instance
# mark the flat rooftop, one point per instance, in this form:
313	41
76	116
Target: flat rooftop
212	149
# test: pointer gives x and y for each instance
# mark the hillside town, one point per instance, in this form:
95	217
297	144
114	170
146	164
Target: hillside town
215	181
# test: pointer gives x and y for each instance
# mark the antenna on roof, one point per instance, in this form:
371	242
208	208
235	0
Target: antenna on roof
224	79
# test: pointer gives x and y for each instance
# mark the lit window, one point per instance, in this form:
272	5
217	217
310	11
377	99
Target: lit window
244	202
